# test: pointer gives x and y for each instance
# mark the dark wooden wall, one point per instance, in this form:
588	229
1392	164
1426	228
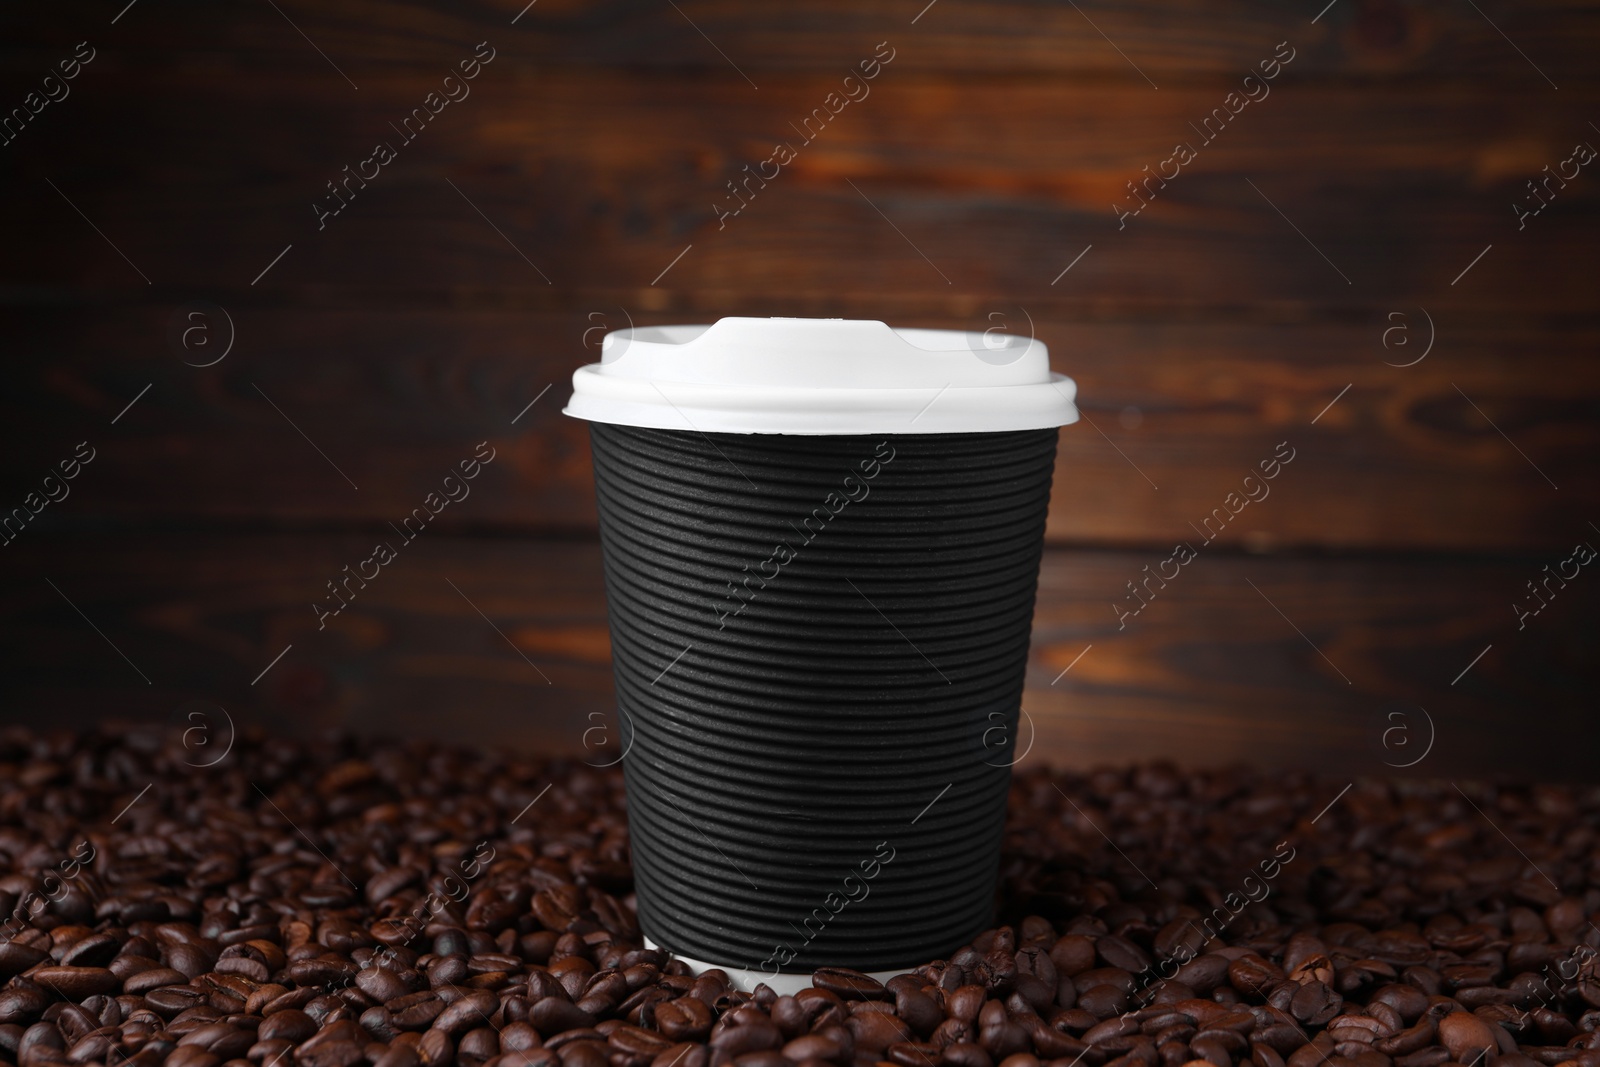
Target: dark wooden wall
1359	216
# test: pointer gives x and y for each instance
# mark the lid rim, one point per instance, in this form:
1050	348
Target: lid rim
821	377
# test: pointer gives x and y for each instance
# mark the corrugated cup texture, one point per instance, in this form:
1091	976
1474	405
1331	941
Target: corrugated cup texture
819	645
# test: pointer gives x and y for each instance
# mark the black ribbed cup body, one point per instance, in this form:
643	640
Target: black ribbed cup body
819	647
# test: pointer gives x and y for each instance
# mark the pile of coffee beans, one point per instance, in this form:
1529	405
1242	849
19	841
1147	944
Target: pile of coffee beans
411	905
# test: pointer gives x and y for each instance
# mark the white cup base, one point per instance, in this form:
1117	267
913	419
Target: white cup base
746	980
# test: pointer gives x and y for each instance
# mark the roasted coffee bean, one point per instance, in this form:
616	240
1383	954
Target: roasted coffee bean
552	1015
1170	991
377	1021
231	1042
1073	1019
268	1051
750	1036
1205	972
944	975
436	1048
1425	979
415	1011
684	1019
1309	1055
1103	1001
964	1003
1514	1059
145	981
42	1040
815	1047
875	1031
787	1013
1232	1041
288	1026
902	1054
1003	1039
1034	961
848	984
228	940
1408	1040
952	1032
683	1054
1155	1025
447	971
75	983
1282	1037
1239	1020
90	1047
259	948
471	1011
1020	1059
95	950
172	999
638	1008
574	972
519	1037
338	1044
567	1037
583	1054
1212	1051
920	1011
1265	1055
993	1013
1121	953
1474	997
128	964
996	972
477	1046
599	1004
398	1054
1051	1043
1115	977
1457	976
764	1058
75	1020
1253	976
194	1056
635	1045
1072	954
1553	1028
1315	1003
16	957
965	1054
329	1008
1405	999
557	908
190	957
1466	1036
381	984
1110	1028
1388	1022
487	962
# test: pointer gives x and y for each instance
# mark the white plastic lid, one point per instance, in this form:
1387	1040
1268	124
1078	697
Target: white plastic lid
821	376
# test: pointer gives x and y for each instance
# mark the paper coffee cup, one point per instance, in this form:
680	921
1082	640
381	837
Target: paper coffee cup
821	541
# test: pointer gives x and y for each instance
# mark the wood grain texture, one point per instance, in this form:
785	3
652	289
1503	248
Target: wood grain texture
393	399
584	184
577	180
1208	672
1169	40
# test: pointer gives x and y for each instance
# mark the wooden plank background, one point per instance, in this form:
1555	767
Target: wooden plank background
1359	216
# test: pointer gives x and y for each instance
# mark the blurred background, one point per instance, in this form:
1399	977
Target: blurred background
256	341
